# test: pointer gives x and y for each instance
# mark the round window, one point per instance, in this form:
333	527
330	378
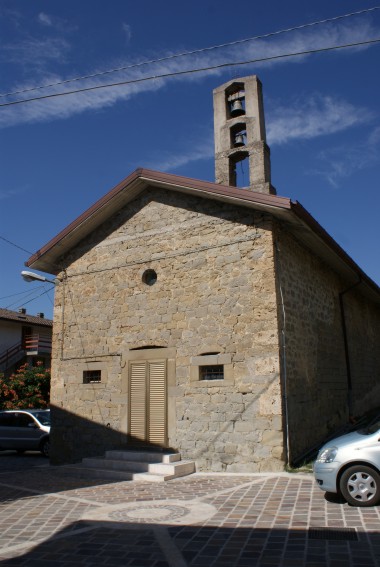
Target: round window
149	277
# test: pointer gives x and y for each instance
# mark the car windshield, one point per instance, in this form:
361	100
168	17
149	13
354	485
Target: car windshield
43	417
372	427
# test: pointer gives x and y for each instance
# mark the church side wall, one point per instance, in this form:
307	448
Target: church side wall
215	293
314	355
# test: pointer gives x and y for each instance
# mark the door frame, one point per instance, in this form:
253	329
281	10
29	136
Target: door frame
145	355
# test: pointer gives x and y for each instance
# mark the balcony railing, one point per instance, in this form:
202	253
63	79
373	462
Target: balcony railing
32	345
11	353
36	344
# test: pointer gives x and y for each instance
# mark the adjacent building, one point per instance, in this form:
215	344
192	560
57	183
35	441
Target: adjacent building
23	338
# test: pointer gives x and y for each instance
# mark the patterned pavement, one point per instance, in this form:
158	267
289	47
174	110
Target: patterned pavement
48	518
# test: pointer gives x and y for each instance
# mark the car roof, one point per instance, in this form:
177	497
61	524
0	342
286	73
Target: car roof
32	411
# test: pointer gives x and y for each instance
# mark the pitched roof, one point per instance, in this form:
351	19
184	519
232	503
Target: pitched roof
24	318
298	220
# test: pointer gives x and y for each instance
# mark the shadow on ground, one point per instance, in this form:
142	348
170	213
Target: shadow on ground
152	545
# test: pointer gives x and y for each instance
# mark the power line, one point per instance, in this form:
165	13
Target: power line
19	293
33	299
15	245
30	293
191	71
43	293
193	52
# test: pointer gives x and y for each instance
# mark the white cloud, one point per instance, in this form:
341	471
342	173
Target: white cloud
127	31
317	116
196	152
374	137
45	19
11	193
341	162
37	52
63	107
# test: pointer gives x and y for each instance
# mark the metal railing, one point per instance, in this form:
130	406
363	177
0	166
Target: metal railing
31	345
10	353
37	343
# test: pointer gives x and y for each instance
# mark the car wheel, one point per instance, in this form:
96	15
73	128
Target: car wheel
360	486
45	448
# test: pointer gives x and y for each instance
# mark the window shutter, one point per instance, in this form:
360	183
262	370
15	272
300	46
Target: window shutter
137	408
157	402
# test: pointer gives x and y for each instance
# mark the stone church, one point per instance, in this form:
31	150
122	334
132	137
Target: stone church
216	320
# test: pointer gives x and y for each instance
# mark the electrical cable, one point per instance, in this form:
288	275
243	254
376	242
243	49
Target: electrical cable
193	52
15	245
19	293
28	294
34	298
191	71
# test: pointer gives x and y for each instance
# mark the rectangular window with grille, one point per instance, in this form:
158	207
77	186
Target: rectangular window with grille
92	376
211	372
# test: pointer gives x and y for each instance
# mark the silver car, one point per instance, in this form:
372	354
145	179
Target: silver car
24	430
350	465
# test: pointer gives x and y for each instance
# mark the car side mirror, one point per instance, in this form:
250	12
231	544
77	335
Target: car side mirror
33	425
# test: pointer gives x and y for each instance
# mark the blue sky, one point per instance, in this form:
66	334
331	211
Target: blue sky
58	156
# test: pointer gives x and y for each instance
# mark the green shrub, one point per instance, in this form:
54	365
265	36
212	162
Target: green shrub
28	387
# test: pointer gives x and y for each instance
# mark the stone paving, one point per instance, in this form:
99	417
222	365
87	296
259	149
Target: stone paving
216	520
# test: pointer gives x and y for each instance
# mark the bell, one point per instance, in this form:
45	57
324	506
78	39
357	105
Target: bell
237	108
239	140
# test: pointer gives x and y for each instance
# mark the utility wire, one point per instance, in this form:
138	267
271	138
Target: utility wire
15	245
191	71
28	294
19	293
33	299
193	52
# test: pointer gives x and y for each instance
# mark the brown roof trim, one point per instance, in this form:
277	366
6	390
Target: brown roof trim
150	176
282	207
314	225
82	217
215	188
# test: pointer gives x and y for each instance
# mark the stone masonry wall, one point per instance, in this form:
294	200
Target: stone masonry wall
316	374
215	292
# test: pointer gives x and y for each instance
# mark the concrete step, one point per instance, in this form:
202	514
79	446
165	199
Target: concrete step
82	471
143	456
134	465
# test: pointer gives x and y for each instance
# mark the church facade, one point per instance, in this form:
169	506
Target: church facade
219	321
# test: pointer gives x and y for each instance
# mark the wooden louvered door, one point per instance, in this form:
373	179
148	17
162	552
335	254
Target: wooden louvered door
147	402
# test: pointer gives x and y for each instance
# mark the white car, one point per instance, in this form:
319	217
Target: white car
350	465
25	430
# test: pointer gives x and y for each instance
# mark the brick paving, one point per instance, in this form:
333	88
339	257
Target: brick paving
48	517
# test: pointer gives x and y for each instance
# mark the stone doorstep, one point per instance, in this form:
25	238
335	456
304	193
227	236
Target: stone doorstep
143	456
126	465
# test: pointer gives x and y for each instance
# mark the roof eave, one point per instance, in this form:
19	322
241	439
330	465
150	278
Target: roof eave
308	228
303	224
46	258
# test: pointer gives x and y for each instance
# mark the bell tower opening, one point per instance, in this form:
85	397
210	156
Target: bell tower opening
242	157
239	170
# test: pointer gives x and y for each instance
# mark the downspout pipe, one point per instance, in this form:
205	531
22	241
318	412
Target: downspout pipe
346	347
283	349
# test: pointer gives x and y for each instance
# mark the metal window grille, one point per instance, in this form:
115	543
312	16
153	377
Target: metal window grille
92	376
215	372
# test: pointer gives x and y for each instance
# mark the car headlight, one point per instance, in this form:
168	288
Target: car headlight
327	455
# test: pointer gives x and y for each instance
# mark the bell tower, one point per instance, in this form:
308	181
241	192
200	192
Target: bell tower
242	157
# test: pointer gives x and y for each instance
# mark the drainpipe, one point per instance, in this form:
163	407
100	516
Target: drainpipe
345	341
283	348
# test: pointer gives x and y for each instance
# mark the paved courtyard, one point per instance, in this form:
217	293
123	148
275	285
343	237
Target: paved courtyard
50	518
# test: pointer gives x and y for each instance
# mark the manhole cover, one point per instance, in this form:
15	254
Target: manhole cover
153	512
149	513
